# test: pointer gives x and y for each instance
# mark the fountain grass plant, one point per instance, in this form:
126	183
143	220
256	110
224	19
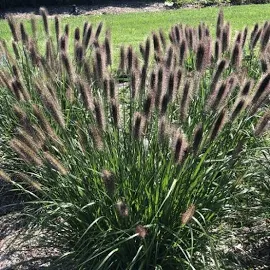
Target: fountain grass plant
133	175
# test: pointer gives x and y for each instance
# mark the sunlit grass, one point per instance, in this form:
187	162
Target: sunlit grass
132	28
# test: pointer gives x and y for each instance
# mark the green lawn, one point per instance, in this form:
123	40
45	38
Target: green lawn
132	28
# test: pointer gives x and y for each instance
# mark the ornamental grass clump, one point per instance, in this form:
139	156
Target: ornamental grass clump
132	175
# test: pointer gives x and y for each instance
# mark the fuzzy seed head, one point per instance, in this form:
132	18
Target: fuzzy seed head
49	52
185	100
44	124
97	138
183	51
220	68
99	28
153	81
113	89
264	64
66	30
220	23
55	163
265	37
44	14
225	42
187	216
178	77
79	53
25	152
68	67
141	231
15	50
160	84
244	37
217	49
24	35
171	86
34	27
134	83
218	125
122	63
122	209
236	57
142	50
178	148
86	95
200	58
169	57
63	43
57	29
87	72
85	25
28	180
115	113
5	177
77	35
147	51
263	124
109	181
164	104
238	108
163	129
147	106
13	28
172	36
143	78
246	88
130	58
219	95
34	56
87	35
138	126
256	38
263	88
28	140
162	38
108	51
99	65
177	34
156	42
99	114
198	135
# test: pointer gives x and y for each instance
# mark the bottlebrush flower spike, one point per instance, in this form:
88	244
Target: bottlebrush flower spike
122	208
141	231
198	135
218	125
188	214
44	14
109	181
263	124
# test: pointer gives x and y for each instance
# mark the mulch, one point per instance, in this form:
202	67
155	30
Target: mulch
112	8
